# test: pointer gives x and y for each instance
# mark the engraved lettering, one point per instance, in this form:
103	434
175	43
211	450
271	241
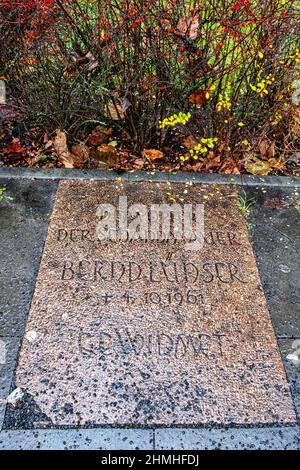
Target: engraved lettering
187	271
62	234
98	266
135	271
68	272
105	340
165	344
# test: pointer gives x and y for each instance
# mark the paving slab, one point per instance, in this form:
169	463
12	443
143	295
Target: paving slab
9	347
23	226
146	333
228	439
16	295
276	243
86	439
24	219
290	347
24	216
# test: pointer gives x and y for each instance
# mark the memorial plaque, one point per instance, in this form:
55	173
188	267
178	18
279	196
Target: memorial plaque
157	330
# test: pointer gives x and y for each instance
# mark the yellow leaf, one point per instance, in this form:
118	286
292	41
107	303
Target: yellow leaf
258	167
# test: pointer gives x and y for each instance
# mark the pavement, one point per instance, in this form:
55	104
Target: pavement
275	229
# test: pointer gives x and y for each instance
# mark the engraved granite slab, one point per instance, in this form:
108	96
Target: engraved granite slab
150	332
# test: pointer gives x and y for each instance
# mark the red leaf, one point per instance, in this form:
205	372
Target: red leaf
15	150
198	97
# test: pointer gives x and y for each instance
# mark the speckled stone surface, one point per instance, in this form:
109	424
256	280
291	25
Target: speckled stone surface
135	333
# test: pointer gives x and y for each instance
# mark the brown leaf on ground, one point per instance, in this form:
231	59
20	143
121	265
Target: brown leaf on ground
61	149
197	166
228	171
277	164
229	166
190	142
33	161
46	138
80	154
211	161
153	154
104	155
261	167
267	149
98	135
14	151
138	163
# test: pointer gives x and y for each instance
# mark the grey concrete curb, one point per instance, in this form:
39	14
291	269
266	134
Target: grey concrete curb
179	177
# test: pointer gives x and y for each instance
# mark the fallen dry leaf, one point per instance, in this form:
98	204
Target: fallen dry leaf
138	163
80	154
104	155
33	161
196	166
267	149
153	154
61	149
228	171
277	164
258	167
295	121
14	151
211	162
229	166
190	142
98	135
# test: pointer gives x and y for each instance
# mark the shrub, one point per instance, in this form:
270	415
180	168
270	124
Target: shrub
140	62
